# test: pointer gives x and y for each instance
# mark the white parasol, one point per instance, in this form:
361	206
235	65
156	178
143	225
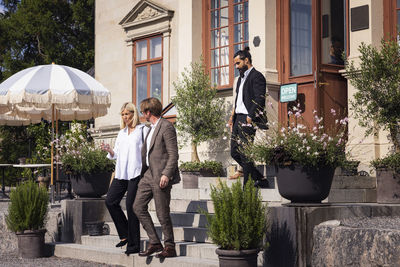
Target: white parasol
53	92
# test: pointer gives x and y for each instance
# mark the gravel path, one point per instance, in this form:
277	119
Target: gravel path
10	259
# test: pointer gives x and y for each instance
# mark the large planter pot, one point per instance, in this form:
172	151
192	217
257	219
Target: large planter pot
299	185
190	179
388	186
31	244
237	258
91	185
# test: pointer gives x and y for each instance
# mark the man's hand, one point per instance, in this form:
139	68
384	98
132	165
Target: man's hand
248	119
164	181
230	122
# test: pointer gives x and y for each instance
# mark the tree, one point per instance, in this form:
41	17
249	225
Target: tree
199	111
44	31
377	80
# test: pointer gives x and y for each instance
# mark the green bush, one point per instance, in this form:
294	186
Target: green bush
239	221
28	207
391	162
214	167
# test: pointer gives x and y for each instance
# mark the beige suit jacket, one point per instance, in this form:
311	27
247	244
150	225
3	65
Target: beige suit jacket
163	153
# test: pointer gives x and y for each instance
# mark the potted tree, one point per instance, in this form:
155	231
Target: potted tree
305	157
200	118
88	165
238	225
376	105
26	217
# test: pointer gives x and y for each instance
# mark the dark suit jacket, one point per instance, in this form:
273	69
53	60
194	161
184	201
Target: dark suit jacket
254	90
163	153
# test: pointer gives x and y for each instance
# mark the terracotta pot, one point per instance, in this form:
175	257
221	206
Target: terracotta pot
304	186
387	186
237	258
91	185
31	244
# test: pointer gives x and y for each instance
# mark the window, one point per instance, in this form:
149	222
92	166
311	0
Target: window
333	31
147	66
227	32
300	37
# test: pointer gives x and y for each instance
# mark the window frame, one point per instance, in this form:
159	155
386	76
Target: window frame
390	19
147	62
206	34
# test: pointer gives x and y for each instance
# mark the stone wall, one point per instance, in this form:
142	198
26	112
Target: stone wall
357	242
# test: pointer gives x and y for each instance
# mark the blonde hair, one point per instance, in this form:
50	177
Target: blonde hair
131	108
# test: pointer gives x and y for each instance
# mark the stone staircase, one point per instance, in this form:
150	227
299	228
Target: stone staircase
193	246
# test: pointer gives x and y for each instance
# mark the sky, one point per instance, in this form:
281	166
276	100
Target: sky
1	9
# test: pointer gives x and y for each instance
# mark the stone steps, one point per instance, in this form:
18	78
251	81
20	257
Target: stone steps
181	233
115	256
190	249
353	189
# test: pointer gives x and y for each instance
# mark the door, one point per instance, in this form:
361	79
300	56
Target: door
307	30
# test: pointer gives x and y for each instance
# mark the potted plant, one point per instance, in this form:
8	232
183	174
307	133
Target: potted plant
305	157
376	105
238	224
193	169
26	217
88	165
200	118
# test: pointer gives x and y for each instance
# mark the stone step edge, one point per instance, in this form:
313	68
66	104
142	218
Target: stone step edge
117	252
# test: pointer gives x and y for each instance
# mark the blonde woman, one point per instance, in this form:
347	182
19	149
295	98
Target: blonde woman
127	153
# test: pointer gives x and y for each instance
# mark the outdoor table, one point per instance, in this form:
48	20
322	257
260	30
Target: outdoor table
3	187
31	166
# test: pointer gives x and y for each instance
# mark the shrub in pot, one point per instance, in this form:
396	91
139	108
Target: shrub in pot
191	170
238	224
376	104
200	114
26	217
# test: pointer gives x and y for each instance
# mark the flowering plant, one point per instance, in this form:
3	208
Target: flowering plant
79	154
310	147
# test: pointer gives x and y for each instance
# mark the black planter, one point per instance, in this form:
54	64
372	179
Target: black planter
237	258
91	185
31	244
388	186
95	228
301	185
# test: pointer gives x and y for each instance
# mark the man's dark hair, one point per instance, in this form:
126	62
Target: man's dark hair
153	105
243	54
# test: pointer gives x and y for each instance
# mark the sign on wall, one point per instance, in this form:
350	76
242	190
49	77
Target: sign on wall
288	92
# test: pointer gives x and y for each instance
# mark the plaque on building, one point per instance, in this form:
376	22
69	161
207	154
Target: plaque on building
359	18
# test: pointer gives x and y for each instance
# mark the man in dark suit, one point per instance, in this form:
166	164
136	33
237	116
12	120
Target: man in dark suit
248	113
159	173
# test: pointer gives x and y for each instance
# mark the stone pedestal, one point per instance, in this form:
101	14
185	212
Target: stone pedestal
76	212
291	228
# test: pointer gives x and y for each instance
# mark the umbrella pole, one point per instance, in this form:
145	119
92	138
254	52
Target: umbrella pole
52	154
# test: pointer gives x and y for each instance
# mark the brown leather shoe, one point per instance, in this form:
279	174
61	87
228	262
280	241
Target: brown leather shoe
168	252
151	249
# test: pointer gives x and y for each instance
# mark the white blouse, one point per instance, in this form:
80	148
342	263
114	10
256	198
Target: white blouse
127	152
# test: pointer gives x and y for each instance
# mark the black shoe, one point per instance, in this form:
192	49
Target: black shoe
131	251
261	183
122	243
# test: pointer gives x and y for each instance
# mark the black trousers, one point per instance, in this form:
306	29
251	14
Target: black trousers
126	228
242	134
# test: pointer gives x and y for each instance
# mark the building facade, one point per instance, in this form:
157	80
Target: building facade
142	46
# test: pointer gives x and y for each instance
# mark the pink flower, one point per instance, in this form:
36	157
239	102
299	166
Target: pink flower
333	112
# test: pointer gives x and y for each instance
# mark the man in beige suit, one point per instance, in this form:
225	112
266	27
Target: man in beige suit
159	173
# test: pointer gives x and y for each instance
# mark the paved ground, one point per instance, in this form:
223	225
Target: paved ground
10	259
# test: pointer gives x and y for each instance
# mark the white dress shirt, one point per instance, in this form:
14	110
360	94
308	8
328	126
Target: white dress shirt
148	141
127	152
240	107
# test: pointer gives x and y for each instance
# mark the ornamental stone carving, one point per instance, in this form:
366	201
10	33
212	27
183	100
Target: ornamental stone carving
147	13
